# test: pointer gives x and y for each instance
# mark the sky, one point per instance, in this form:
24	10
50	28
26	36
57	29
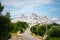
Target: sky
49	8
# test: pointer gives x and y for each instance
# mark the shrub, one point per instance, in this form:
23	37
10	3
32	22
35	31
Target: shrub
41	30
38	30
33	29
55	32
19	26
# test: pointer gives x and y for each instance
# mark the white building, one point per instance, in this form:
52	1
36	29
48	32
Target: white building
33	19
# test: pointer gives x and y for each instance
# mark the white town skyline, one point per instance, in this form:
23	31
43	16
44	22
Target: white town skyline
34	19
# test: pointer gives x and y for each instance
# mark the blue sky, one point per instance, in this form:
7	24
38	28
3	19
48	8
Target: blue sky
49	8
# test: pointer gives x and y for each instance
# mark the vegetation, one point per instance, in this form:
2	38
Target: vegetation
5	25
20	26
38	30
54	34
53	31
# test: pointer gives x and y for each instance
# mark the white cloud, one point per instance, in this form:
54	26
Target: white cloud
22	2
54	19
25	10
53	9
25	5
58	22
13	3
44	1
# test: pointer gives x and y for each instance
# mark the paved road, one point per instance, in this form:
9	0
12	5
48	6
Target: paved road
26	36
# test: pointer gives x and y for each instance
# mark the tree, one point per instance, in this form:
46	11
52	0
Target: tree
55	32
5	25
21	26
38	30
1	8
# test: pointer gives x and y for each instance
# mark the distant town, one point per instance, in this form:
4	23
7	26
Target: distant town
34	19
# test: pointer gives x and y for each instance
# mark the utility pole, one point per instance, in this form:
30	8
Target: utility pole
45	36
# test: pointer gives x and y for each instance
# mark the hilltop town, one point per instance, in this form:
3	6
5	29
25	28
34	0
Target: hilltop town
33	19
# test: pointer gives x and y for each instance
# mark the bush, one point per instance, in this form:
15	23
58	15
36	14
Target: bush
53	38
41	30
20	26
55	32
38	30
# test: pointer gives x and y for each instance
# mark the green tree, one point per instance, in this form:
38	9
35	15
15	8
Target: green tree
5	25
20	26
38	30
1	7
55	32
